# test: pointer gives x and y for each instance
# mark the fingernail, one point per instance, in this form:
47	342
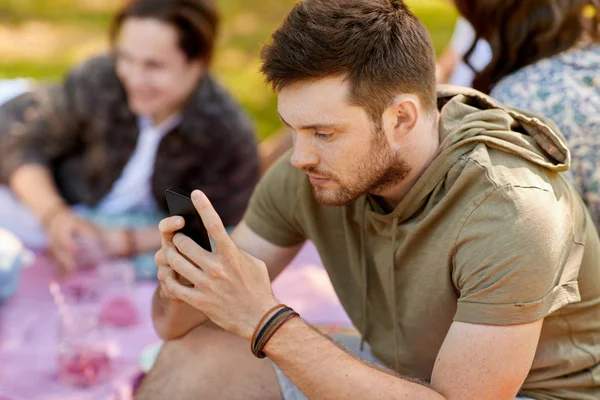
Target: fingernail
196	195
179	221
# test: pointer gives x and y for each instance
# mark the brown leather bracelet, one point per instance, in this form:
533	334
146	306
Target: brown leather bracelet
262	321
269	334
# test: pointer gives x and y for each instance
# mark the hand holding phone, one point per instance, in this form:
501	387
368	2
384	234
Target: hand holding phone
180	203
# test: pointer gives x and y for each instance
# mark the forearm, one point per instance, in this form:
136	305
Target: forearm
322	370
34	185
173	319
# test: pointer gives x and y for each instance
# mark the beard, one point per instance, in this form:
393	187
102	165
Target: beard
377	170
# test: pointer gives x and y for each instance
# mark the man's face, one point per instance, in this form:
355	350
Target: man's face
344	154
154	70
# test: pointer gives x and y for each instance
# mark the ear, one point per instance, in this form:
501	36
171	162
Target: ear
402	116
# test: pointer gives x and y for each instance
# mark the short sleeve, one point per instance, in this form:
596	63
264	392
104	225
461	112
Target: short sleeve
45	124
273	209
516	259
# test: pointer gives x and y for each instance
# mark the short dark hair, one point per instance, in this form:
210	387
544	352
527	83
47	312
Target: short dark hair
378	45
196	22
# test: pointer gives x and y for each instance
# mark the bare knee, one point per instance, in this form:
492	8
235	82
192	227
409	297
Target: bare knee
209	363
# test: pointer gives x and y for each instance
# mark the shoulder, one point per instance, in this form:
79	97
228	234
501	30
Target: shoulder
213	107
504	169
276	207
98	70
555	80
93	87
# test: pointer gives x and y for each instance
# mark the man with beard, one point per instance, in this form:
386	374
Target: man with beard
463	256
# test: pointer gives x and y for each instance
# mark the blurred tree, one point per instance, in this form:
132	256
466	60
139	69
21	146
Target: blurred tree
43	38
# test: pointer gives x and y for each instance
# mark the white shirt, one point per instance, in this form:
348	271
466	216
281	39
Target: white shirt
461	42
132	191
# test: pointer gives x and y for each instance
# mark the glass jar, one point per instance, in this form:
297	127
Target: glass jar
83	353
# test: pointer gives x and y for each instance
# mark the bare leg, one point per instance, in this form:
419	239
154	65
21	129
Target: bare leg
209	363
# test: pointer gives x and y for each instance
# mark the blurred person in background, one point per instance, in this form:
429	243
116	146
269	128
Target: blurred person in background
451	65
86	162
546	59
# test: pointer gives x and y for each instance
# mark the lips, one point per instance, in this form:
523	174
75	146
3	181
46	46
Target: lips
317	180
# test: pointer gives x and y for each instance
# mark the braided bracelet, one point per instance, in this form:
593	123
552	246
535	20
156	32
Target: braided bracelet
261	322
279	315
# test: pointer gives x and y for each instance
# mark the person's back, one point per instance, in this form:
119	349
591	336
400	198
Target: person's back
565	88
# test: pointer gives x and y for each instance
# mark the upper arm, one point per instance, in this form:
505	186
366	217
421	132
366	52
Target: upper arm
271	230
485	361
275	257
37	128
45	124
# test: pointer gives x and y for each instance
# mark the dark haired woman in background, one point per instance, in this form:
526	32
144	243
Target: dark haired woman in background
546	58
87	161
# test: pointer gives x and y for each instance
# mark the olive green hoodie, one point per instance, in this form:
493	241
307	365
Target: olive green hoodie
491	233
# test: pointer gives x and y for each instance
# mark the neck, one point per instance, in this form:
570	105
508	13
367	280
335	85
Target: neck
421	154
161	117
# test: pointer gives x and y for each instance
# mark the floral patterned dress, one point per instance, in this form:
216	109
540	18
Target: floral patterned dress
566	88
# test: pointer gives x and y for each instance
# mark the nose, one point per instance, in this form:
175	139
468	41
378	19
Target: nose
134	76
304	154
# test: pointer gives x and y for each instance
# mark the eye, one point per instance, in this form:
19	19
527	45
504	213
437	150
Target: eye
322	135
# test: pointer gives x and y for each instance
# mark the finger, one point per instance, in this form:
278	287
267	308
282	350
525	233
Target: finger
168	226
65	239
85	228
184	293
195	253
64	243
211	220
163	274
64	259
183	267
160	259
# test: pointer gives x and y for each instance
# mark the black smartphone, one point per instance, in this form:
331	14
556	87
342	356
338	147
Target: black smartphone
180	203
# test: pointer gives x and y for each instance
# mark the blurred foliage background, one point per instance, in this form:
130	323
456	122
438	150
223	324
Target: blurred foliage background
42	38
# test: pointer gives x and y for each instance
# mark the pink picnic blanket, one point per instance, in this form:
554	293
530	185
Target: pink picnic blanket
29	325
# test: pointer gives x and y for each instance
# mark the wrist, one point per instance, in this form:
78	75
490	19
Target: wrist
272	321
122	243
279	339
129	248
263	312
52	213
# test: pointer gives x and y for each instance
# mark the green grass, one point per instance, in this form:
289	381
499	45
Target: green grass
59	11
246	26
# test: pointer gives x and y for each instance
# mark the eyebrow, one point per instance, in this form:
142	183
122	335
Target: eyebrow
312	126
